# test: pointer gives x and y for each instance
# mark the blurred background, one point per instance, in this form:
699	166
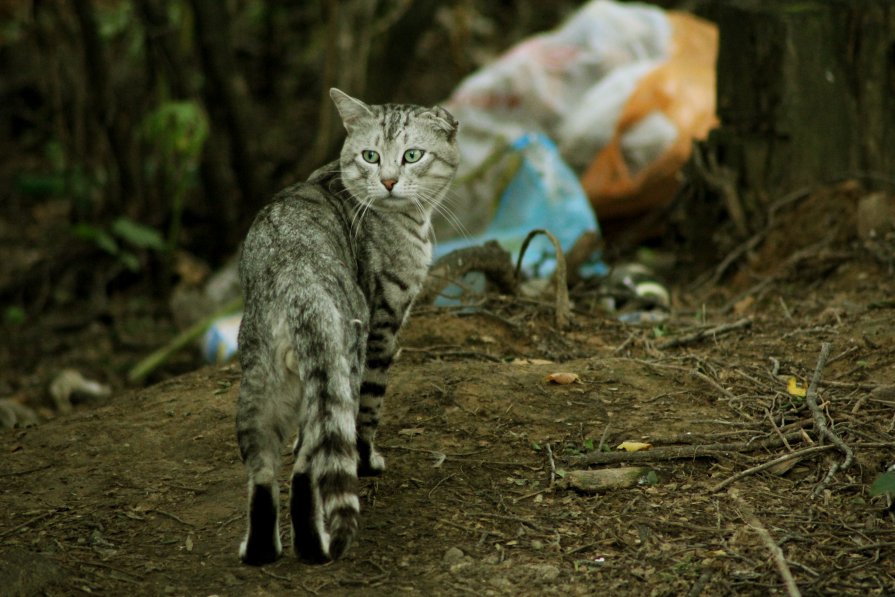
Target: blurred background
139	138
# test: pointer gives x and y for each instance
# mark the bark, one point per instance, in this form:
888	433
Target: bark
97	67
220	209
806	95
227	107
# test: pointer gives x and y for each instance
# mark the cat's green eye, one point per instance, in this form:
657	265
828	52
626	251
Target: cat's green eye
370	156
413	155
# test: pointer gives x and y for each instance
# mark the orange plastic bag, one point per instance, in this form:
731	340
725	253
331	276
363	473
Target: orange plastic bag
681	90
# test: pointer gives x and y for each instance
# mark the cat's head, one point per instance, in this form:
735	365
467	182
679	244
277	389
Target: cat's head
397	156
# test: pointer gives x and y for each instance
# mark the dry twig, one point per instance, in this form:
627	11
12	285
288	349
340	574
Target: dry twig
767	465
552	465
704	333
689	451
489	259
820	422
776	552
563	307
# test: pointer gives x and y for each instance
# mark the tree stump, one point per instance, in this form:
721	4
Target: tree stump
806	95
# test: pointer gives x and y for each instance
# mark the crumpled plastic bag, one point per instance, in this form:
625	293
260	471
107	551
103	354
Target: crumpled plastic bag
620	88
542	192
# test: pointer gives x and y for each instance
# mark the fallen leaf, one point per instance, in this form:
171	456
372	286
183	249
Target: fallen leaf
781	468
189	543
794	389
411	431
633	446
563	378
743	305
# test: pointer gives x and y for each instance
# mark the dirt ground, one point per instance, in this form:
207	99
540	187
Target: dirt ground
144	493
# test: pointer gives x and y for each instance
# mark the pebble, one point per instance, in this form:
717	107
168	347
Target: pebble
544	571
454	555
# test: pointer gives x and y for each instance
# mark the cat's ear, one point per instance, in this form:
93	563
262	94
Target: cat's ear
444	121
350	109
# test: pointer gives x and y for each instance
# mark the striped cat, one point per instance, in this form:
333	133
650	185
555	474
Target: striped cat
329	271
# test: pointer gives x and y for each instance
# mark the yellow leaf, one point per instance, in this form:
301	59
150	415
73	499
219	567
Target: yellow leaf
563	378
633	446
794	389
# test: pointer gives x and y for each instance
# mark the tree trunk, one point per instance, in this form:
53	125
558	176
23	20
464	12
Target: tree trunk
97	67
806	95
227	108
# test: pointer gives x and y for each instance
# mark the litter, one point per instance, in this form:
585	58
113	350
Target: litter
621	88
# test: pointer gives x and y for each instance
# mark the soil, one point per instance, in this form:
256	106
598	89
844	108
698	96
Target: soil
143	493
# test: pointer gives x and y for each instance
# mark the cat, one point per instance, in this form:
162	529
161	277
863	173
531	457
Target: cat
329	271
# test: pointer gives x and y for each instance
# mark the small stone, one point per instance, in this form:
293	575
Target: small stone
544	571
452	556
876	215
492	559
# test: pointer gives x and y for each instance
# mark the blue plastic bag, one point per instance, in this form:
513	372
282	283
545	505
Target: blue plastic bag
543	193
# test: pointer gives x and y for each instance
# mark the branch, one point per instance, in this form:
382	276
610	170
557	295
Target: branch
700	334
490	259
767	465
563	307
820	421
222	100
681	452
776	552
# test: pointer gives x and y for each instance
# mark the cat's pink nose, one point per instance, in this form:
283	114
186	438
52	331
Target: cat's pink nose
388	183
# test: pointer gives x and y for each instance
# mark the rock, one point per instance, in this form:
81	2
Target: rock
15	414
876	215
452	556
595	481
544	572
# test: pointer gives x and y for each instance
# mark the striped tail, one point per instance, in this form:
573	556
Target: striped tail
324	502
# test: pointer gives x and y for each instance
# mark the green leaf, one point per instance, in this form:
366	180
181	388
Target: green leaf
130	261
589	445
884	484
14	315
100	237
178	130
535	446
138	235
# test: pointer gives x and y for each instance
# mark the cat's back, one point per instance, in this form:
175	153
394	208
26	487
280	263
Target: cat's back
304	226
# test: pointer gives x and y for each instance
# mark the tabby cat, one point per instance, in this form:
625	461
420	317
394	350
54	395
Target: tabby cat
329	271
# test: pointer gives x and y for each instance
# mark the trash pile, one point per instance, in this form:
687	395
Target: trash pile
592	119
621	89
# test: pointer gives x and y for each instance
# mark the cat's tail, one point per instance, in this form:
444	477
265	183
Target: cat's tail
324	501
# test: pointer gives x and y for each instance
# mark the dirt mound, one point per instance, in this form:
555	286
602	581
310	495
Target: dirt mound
145	493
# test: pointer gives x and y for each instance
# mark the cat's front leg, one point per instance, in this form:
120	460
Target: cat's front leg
379	354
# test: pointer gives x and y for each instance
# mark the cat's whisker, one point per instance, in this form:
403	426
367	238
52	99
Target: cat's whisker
444	210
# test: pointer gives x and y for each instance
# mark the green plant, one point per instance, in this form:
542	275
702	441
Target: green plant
175	132
884	484
121	239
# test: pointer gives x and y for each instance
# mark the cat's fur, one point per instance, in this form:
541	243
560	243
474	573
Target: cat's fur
329	271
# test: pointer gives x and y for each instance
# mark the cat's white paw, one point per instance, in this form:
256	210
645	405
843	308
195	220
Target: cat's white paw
377	461
257	555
